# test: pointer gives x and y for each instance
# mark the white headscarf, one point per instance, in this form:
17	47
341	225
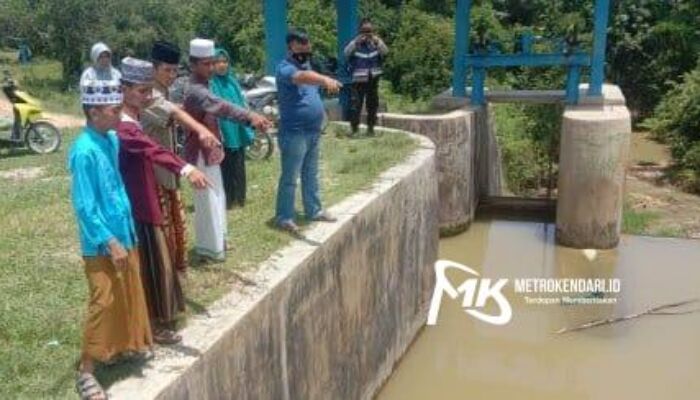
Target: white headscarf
97	49
94	72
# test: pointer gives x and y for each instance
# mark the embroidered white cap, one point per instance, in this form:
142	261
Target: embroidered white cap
201	48
100	93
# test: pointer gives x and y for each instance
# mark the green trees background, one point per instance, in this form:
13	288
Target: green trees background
653	44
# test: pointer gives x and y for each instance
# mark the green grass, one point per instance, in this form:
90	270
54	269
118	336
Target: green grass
670	232
43	289
397	103
42	79
636	222
645	223
525	143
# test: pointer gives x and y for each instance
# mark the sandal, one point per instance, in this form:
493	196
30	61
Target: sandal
290	227
201	259
130	356
324	216
228	246
88	388
142	356
166	337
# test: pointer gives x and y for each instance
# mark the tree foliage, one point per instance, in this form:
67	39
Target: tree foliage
420	62
65	29
651	45
677	121
237	26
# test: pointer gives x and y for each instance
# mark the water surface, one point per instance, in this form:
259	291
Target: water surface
653	357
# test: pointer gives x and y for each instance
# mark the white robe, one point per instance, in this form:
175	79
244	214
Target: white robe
210	214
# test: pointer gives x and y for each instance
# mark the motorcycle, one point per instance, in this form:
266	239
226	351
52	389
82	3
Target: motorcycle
261	95
262	100
28	126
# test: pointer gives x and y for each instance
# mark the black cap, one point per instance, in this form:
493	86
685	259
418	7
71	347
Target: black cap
166	52
297	35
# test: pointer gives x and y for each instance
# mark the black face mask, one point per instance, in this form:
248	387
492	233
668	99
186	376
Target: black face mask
302	58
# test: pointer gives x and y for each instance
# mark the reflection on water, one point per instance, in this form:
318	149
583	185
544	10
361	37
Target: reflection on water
654	357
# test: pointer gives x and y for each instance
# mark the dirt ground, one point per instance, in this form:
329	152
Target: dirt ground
674	212
61	120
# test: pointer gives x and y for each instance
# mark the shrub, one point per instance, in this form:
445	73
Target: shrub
677	121
420	59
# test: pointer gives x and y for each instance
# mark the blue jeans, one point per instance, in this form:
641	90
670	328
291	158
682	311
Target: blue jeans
299	156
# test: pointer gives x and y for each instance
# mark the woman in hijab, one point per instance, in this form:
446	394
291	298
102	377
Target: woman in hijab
101	68
236	137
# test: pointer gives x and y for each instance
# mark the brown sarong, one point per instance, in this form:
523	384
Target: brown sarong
173	226
117	318
161	283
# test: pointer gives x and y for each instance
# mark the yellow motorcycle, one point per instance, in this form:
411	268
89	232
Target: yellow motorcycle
28	126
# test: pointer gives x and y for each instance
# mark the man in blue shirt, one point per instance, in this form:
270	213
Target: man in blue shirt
116	321
301	117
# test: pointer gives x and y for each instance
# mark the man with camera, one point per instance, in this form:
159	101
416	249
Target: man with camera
365	54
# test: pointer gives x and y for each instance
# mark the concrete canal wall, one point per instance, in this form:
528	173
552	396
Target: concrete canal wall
327	317
468	160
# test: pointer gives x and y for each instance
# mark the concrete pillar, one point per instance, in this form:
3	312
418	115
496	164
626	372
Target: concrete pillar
454	135
468	160
488	168
593	155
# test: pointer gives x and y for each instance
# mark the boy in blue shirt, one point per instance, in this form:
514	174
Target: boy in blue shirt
117	318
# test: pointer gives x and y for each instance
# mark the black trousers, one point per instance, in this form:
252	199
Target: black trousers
233	175
361	93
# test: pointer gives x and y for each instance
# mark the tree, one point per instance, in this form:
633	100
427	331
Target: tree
70	27
420	58
651	45
237	26
677	121
67	24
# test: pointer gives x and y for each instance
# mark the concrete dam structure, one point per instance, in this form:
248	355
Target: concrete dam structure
329	316
593	152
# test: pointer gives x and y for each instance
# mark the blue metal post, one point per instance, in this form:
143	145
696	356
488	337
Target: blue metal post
275	32
600	35
479	80
526	41
527	60
573	79
347	30
459	62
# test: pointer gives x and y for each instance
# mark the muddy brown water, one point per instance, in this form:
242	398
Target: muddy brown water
652	357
